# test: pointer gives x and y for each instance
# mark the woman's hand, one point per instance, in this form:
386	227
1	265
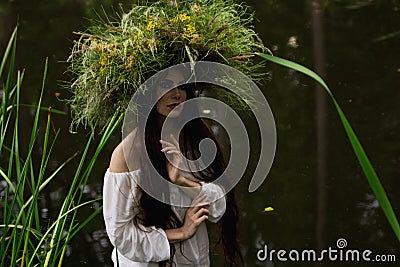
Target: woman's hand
174	156
190	187
195	216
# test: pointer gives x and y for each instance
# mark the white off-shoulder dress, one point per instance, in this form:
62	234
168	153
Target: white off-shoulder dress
135	247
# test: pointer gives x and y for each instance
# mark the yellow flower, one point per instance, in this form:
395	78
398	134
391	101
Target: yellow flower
189	31
180	17
184	17
151	25
103	63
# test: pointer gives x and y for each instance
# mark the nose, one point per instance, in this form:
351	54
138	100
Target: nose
176	93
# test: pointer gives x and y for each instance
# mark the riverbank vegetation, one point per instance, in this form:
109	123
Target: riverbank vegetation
26	240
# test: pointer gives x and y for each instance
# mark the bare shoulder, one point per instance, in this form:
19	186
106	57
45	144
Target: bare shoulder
117	162
125	150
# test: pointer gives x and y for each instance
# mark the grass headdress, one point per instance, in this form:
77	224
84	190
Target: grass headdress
112	59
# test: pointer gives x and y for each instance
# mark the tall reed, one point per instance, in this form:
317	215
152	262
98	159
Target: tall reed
24	241
362	157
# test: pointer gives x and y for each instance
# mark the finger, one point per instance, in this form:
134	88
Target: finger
202	212
170	145
174	140
199	214
203	205
199	210
199	199
167	143
166	149
173	152
201	219
193	210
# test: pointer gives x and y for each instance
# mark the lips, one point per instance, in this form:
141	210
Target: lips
173	105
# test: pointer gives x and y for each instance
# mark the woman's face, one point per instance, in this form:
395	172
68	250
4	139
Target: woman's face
173	96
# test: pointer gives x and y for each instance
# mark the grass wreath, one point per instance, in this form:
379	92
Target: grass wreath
113	58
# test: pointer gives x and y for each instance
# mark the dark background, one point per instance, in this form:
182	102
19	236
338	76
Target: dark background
316	185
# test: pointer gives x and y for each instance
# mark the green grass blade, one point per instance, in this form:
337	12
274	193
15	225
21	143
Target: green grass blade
68	201
53	111
7	90
5	177
33	231
21	181
5	118
111	127
16	127
8	49
366	165
49	229
8	209
83	224
32	208
22	237
76	231
47	181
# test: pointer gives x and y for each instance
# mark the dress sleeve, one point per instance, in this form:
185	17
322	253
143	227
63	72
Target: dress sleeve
148	244
216	195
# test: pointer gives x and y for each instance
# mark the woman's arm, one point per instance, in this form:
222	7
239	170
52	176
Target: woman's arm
215	194
117	162
127	149
194	217
190	187
148	244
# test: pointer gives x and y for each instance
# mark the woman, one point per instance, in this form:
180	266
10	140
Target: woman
146	231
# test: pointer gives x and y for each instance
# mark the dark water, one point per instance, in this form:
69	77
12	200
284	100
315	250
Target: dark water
316	185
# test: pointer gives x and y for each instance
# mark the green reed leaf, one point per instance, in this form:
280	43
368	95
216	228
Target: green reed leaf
362	157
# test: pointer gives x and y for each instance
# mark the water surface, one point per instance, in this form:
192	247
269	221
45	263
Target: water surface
316	186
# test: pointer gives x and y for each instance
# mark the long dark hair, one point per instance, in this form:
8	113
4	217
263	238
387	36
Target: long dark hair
192	133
